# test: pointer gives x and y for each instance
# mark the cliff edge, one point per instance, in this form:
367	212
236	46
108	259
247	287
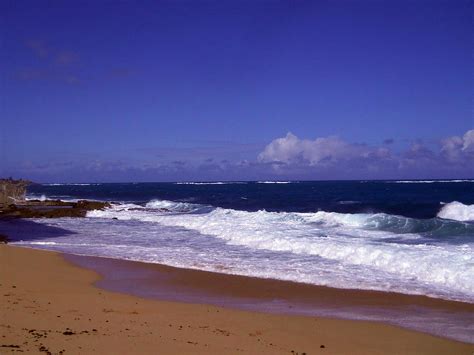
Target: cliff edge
12	191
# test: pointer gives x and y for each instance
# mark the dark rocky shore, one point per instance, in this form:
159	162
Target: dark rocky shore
12	191
14	205
50	209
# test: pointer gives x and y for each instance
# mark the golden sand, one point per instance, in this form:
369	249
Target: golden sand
52	306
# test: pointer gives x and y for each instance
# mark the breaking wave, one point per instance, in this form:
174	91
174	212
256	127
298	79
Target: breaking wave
457	211
275	182
172	206
211	183
404	254
426	181
30	197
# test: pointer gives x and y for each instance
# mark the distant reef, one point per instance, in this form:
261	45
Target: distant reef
14	205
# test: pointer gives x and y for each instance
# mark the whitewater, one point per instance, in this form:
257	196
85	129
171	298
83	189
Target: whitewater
371	251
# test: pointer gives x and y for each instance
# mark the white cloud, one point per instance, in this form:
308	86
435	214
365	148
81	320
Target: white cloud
321	151
458	148
292	154
468	141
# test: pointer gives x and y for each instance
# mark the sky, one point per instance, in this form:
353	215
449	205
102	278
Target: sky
117	91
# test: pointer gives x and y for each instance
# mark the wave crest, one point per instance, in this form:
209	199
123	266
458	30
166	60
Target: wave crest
457	211
210	183
427	181
173	206
275	182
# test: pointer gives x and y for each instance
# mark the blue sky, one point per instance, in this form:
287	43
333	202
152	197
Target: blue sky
212	90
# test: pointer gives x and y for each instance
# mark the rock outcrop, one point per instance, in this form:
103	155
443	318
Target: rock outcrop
14	205
51	209
12	191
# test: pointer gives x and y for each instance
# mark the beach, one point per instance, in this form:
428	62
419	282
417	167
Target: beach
237	177
51	305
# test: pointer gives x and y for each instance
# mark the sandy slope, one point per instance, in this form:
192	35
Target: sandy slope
51	306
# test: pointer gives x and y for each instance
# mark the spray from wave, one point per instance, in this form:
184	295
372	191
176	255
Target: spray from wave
457	211
30	197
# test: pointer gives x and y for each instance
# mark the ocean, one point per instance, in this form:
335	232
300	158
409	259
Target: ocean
411	237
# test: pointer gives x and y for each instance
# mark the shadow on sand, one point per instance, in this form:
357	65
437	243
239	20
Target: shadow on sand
19	229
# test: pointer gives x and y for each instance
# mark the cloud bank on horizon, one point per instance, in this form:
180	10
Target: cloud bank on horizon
288	157
328	152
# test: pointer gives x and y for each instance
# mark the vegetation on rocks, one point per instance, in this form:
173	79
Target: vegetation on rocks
12	191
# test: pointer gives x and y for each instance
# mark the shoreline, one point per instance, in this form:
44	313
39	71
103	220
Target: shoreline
163	282
196	277
53	304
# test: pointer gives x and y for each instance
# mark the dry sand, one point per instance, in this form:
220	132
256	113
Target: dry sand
49	305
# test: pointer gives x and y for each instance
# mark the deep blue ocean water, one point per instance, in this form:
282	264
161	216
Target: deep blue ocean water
418	199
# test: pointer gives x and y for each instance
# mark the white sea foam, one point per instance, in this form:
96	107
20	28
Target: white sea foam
44	197
40	243
30	197
275	182
172	206
427	181
211	183
457	211
346	243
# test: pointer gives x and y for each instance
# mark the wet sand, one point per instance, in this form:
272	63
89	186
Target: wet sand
51	305
450	319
